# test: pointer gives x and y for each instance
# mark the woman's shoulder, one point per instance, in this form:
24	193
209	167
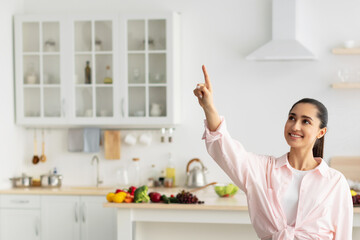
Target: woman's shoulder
334	173
337	177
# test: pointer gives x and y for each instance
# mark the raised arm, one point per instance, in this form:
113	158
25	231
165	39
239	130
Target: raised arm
204	93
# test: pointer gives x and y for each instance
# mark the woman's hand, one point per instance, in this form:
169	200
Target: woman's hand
204	93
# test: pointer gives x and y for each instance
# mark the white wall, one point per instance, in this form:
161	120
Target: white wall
253	96
11	140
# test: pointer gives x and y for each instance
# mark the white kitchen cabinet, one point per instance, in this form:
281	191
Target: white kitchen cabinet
19	217
60	217
151	68
77	218
51	55
133	75
93	98
97	222
40	56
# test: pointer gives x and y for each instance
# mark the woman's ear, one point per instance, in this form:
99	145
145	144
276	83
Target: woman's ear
322	132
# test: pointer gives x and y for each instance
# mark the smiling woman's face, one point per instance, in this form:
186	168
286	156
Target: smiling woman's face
303	126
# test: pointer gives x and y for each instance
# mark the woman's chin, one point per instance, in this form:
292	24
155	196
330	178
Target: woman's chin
293	144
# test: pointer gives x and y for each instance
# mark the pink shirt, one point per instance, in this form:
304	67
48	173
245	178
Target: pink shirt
325	209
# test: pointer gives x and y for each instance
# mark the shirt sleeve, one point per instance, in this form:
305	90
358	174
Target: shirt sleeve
231	156
345	212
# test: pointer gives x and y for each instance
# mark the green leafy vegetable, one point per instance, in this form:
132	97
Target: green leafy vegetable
140	195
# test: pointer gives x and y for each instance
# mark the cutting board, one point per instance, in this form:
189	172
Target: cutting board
112	141
349	166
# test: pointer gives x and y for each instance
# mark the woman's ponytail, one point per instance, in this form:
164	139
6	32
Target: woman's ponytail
318	149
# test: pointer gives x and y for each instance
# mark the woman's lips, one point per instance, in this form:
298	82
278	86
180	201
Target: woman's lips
295	136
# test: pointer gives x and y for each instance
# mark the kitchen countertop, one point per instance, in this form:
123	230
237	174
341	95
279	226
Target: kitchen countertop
65	190
212	201
90	190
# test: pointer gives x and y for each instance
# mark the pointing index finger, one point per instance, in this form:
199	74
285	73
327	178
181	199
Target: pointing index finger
207	79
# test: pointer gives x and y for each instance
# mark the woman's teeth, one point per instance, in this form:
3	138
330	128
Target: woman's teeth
297	136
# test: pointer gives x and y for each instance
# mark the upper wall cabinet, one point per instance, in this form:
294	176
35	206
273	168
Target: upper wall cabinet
39	48
119	71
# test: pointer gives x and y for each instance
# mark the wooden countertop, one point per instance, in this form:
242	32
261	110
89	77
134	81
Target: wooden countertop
212	201
66	190
89	190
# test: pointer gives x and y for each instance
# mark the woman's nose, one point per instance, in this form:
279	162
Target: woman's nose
296	126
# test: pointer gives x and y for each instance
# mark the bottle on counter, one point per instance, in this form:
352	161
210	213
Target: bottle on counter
162	177
153	176
134	172
170	170
108	79
87	73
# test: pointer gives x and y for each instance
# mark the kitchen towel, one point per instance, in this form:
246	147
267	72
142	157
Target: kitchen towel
112	141
75	140
91	140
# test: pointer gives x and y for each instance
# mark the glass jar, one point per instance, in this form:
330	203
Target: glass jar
134	172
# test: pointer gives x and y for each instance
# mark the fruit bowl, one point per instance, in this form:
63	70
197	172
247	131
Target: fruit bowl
225	190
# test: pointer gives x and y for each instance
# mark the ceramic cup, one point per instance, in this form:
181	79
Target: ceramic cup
145	138
31	79
130	139
349	44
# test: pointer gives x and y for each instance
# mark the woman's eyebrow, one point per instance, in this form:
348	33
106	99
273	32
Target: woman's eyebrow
303	116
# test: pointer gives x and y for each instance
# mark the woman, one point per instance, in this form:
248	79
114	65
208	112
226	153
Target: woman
295	196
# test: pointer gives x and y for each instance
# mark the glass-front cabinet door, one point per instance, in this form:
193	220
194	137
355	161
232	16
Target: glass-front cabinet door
109	70
93	73
39	81
152	72
147	81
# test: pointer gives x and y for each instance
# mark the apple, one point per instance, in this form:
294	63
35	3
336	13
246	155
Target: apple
155	197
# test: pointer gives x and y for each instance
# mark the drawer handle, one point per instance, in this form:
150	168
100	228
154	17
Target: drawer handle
20	201
37	226
84	212
76	212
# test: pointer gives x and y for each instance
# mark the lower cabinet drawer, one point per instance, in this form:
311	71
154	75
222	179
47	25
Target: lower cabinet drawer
19	201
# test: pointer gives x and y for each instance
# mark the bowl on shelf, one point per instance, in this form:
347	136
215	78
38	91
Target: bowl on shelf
225	189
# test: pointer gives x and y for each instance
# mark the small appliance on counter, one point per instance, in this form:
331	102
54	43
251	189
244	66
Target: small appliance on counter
196	176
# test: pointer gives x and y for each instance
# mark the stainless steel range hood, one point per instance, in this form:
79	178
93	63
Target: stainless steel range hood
284	45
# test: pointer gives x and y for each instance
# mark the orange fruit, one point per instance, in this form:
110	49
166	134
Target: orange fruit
119	197
110	196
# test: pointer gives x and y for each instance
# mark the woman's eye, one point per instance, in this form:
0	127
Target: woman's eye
291	118
306	122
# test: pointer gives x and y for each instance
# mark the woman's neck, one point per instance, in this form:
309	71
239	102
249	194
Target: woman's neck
302	159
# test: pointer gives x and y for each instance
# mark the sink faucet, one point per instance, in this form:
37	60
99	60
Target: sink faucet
96	158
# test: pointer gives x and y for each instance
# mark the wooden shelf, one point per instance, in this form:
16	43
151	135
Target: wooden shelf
346	51
347	85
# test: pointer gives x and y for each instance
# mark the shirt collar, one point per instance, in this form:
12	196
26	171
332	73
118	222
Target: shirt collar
322	168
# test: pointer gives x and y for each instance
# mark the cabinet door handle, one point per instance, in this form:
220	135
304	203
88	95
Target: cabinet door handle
84	212
37	227
63	107
76	212
122	107
20	201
